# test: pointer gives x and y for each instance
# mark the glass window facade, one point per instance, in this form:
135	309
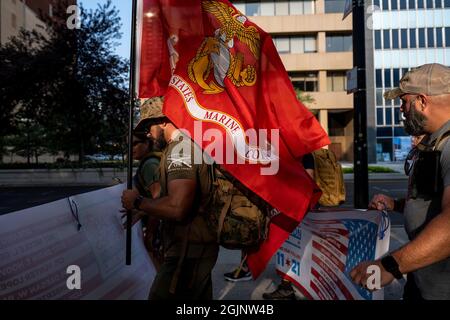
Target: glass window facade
404	37
430	37
403	5
276	8
395	40
337	81
334	6
409	38
339	43
386	39
447	37
412	38
295	44
422	38
394	5
305	81
377	39
389	127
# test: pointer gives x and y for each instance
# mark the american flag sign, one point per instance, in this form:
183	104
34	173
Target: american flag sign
319	255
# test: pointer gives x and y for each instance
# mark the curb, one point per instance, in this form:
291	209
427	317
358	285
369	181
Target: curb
379	176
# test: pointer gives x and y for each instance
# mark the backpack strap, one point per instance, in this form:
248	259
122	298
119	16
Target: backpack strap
440	140
223	214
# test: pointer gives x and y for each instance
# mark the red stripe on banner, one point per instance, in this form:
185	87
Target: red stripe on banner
316	290
302	289
45	284
53	294
34	259
314	221
332	241
123	286
324	283
329	255
34	230
334	277
338	245
144	292
343	232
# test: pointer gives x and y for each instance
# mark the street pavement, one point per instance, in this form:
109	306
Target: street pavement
19	198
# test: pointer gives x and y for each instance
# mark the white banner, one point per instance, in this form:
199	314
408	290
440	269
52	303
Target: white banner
319	255
41	249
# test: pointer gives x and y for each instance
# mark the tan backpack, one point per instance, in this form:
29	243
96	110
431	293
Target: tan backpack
329	177
237	222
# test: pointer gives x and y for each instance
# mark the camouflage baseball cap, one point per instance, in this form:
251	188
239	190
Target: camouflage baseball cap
430	79
151	111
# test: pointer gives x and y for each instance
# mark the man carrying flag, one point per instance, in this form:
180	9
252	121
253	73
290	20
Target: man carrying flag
189	247
217	68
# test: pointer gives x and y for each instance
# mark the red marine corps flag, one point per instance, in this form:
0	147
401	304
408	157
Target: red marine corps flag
219	71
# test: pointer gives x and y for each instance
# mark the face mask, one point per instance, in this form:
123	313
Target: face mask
414	122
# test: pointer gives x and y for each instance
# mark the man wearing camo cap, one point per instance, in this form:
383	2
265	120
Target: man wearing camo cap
190	247
425	96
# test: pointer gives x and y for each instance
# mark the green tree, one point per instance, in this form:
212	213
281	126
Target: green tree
71	83
304	97
31	142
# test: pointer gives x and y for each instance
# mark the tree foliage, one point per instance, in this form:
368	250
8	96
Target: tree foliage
68	84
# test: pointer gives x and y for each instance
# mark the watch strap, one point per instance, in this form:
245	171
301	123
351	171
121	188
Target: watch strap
391	266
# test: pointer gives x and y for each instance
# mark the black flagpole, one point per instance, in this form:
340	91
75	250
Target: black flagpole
132	104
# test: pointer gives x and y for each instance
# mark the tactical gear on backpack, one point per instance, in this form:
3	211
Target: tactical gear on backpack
237	221
329	177
427	181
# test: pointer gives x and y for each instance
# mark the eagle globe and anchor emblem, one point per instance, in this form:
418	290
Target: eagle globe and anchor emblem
214	52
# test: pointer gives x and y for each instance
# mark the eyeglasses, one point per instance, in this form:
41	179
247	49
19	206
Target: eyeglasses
135	143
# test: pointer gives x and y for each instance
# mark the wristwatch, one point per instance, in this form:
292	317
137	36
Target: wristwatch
137	202
391	266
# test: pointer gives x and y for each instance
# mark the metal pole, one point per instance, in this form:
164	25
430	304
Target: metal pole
361	179
132	103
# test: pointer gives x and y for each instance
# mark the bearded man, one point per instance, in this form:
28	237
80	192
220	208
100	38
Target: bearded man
425	95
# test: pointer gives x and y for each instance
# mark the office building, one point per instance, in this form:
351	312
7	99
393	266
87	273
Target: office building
315	45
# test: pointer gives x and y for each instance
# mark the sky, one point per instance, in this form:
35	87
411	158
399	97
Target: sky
124	7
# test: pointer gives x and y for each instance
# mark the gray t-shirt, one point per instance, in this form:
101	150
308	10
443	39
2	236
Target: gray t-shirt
434	280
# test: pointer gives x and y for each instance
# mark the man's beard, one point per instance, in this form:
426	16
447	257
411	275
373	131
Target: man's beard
160	142
414	122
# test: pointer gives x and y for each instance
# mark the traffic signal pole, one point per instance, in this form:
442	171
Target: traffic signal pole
361	178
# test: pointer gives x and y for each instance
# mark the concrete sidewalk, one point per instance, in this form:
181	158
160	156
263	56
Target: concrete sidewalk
398	167
379	176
